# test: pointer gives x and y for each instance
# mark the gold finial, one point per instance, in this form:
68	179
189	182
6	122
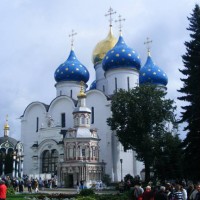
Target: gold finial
82	93
72	40
147	43
6	126
120	20
110	13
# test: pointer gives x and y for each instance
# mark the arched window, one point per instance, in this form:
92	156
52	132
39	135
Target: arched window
49	161
63	120
115	84
128	83
103	88
37	124
82	119
92	115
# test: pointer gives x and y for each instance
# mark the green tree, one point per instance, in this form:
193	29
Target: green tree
191	91
138	117
168	158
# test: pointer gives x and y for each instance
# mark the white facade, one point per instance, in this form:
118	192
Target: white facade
44	127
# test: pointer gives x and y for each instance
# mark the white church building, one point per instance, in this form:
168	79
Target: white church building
69	137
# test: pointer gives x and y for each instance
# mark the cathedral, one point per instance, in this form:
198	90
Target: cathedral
69	137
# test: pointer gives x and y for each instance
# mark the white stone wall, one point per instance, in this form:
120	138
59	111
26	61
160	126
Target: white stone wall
28	131
111	150
122	76
65	88
100	78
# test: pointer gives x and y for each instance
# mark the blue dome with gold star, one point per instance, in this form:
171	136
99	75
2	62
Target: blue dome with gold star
71	70
151	73
121	56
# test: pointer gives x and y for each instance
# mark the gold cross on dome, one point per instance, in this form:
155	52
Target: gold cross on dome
72	38
110	13
120	20
147	43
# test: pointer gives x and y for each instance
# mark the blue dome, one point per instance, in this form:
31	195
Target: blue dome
151	73
121	56
93	85
71	70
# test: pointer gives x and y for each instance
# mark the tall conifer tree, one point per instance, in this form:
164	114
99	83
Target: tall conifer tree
191	91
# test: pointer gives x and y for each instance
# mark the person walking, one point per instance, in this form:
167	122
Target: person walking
178	195
197	197
161	194
148	194
3	190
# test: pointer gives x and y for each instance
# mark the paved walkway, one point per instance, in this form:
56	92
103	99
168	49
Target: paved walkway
70	191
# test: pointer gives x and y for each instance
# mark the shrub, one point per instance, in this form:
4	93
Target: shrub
87	192
106	179
85	198
10	191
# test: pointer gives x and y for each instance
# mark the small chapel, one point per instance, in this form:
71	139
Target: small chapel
11	155
69	137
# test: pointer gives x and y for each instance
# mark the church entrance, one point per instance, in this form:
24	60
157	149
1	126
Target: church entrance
69	181
49	161
6	162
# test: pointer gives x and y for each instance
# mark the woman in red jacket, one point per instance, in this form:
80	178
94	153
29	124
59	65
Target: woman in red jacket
3	190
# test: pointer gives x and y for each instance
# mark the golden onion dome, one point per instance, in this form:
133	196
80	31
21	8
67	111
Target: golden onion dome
103	47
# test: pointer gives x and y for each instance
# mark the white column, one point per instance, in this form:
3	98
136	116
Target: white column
13	173
17	168
22	166
3	168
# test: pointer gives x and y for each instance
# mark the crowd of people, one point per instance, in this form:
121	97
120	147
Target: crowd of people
33	184
168	191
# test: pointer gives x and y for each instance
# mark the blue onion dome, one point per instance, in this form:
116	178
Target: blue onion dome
93	85
103	47
121	56
151	73
71	70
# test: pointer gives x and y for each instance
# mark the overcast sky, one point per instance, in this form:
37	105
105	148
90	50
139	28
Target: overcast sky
34	42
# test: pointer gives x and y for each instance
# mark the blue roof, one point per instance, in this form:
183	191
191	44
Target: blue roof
121	56
71	70
151	73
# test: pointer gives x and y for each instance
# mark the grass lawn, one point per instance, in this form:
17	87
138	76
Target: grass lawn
19	196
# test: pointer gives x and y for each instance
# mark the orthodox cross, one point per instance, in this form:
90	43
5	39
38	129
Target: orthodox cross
6	118
120	20
110	13
72	38
147	43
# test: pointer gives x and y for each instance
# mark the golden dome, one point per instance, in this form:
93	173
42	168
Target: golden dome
103	47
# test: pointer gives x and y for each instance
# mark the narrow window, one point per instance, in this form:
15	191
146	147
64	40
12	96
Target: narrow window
71	152
37	124
60	92
115	84
82	119
128	83
62	120
87	120
71	93
77	121
103	88
92	115
83	152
